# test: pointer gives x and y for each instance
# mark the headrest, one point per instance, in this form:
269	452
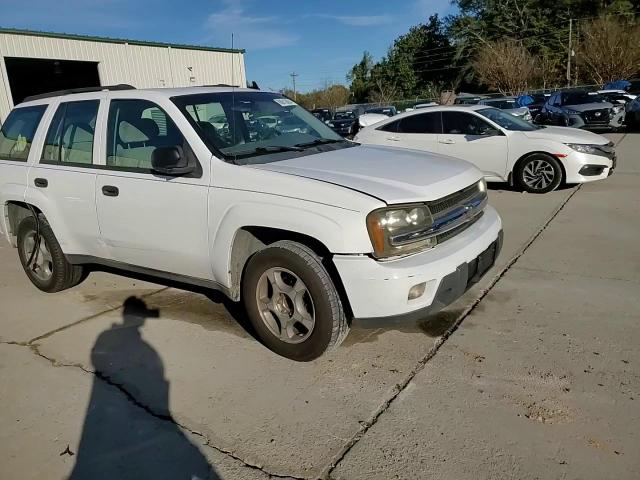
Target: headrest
148	126
131	134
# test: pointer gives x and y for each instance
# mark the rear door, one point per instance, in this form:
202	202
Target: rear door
62	183
146	219
419	131
471	138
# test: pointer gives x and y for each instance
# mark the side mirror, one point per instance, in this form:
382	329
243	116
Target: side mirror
171	161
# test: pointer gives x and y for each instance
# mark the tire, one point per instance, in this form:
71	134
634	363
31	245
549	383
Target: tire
49	270
274	298
539	173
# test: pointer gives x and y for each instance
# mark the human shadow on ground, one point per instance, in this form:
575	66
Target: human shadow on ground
129	432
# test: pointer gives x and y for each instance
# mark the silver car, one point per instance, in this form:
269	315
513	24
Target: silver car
509	105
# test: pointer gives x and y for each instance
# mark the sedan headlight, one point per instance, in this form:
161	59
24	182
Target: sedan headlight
582	148
400	230
617	108
330	124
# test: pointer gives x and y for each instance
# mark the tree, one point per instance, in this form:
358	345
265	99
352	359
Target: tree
334	96
360	78
610	50
505	65
383	93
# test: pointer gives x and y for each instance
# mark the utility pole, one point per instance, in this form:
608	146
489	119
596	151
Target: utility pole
293	75
569	53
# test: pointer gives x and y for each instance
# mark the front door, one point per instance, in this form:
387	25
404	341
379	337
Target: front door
148	220
471	138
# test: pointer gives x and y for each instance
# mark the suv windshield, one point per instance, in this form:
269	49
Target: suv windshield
578	98
501	104
344	116
506	120
244	125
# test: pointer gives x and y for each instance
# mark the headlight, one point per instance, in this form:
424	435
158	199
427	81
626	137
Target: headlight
527	117
330	124
582	148
399	230
617	108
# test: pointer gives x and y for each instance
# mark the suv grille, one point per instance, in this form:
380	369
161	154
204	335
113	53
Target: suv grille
456	212
600	116
453	200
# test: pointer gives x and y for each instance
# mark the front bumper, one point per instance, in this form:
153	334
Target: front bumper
575	162
378	291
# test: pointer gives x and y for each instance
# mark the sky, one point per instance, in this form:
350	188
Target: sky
320	40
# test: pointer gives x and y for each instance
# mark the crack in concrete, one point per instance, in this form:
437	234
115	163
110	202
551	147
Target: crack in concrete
34	347
90	317
400	387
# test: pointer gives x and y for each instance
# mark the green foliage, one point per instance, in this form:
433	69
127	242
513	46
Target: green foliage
439	54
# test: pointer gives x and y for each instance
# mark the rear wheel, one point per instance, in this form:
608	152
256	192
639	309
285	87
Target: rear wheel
42	258
292	302
539	173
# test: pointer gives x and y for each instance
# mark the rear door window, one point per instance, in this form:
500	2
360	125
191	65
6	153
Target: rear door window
390	127
18	131
422	123
70	136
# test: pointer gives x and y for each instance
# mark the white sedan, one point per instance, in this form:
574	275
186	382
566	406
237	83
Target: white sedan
505	148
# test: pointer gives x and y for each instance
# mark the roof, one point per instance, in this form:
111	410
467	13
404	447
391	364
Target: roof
136	93
91	38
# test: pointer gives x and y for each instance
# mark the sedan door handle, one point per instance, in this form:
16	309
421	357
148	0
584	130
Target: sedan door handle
41	182
110	191
394	139
447	141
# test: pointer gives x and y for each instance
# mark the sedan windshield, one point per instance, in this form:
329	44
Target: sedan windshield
506	120
241	126
344	116
501	104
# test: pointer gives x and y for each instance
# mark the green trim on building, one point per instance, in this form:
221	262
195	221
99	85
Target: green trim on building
90	38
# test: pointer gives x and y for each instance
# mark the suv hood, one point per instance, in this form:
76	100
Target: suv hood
585	107
567	135
392	175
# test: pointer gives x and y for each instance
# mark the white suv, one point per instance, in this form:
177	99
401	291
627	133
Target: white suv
309	230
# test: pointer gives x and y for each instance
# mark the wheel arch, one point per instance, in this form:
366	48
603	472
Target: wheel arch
248	240
537	152
14	212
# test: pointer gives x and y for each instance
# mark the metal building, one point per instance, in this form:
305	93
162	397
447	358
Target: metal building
38	62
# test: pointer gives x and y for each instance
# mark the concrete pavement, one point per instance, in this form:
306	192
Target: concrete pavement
385	404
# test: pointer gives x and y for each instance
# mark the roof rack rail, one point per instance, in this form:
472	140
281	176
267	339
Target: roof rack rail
59	93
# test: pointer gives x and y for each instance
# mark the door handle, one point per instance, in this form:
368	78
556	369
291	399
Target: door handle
110	191
447	141
394	139
41	182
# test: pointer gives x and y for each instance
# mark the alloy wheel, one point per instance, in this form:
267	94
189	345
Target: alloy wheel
538	174
285	305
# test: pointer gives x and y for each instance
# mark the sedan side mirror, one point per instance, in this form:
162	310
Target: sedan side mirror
171	161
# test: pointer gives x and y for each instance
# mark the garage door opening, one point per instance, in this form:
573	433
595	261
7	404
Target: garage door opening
31	76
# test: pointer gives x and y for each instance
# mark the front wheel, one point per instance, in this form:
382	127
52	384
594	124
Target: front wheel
292	302
539	173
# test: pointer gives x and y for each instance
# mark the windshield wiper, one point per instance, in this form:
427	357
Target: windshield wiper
278	148
319	141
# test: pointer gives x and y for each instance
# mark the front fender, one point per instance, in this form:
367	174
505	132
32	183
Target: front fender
340	230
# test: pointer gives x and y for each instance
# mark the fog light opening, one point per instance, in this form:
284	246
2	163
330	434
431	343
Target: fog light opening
417	291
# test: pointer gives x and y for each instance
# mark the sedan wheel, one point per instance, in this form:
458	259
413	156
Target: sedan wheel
539	173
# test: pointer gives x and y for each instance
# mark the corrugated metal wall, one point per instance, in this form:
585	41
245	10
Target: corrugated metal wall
139	65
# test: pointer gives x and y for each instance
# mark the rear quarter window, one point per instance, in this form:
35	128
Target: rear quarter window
18	131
